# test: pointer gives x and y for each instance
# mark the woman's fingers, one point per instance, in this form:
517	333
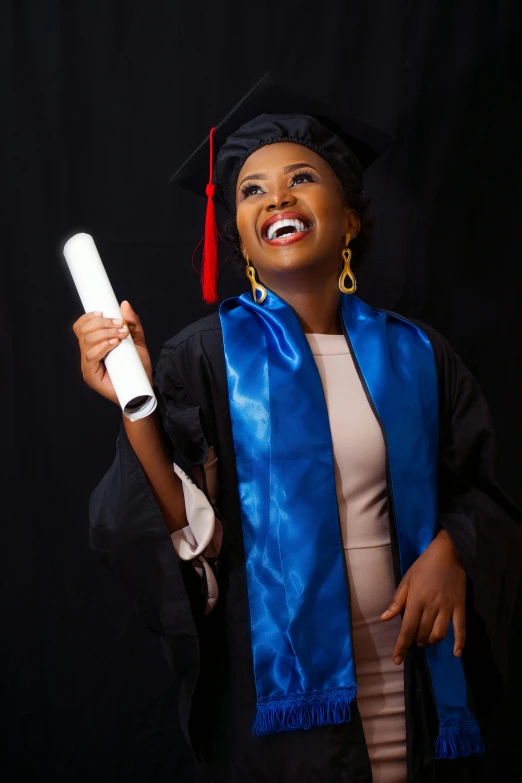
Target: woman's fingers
398	602
426	626
131	317
133	320
100	351
459	629
85	322
433	628
98	336
89	321
408	632
127	311
440	628
85	318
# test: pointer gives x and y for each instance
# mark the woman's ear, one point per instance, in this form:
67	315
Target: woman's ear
352	222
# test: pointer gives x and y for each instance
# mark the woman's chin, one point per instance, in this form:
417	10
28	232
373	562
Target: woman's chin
289	261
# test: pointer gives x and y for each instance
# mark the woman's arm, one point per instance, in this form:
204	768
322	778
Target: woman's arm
481	532
483	522
137	501
148	442
432	593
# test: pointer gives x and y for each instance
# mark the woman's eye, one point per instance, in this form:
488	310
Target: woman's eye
250	190
302	176
298	178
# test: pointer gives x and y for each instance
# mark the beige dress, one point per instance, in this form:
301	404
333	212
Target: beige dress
360	477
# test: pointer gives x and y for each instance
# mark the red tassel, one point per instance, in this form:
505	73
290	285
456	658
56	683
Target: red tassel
209	266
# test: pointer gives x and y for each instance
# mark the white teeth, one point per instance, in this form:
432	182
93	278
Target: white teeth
285	223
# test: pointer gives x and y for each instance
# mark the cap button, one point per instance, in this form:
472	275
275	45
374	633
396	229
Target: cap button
209	190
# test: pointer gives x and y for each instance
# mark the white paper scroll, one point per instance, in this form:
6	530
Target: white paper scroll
123	364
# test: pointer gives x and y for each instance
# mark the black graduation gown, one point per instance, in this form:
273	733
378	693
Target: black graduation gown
211	656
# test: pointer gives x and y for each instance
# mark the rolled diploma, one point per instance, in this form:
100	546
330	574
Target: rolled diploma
123	364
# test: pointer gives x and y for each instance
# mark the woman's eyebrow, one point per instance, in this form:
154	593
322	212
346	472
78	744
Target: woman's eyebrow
294	166
286	170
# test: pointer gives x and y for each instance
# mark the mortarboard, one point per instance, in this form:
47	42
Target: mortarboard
272	112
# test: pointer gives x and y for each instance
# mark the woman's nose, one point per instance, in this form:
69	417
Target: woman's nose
280	200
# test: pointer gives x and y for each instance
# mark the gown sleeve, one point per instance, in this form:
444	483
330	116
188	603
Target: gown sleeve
200	541
128	530
483	522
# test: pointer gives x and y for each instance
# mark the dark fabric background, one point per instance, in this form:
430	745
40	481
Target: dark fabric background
102	101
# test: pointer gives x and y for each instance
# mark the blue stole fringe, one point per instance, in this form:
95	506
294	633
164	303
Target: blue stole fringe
296	575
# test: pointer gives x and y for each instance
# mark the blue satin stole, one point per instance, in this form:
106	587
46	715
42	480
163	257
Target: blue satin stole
296	573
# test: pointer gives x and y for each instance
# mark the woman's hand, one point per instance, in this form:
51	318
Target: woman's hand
432	592
98	336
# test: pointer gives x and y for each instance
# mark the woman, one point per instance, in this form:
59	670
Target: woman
317	469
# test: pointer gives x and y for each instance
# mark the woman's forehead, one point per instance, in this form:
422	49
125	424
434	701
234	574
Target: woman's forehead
275	156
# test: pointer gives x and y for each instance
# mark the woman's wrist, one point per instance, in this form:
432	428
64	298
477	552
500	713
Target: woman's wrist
444	538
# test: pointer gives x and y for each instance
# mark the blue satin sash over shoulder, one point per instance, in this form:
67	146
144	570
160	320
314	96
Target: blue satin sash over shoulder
297	586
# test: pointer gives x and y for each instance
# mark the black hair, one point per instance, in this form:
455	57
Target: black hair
358	200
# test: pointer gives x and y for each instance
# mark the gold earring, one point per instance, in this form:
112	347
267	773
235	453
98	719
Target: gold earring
256	287
347	272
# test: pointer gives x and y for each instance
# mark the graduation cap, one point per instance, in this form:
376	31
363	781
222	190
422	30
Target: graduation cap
273	112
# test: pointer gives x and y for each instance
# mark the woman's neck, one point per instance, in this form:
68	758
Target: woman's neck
317	309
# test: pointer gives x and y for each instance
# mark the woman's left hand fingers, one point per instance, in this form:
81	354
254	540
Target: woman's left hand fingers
408	632
398	602
459	628
426	624
440	628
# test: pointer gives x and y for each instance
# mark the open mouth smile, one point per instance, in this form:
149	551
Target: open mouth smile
285	228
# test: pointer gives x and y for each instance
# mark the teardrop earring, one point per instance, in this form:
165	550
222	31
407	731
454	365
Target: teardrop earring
347	272
256	287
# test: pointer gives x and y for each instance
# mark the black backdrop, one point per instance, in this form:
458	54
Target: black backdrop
102	101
